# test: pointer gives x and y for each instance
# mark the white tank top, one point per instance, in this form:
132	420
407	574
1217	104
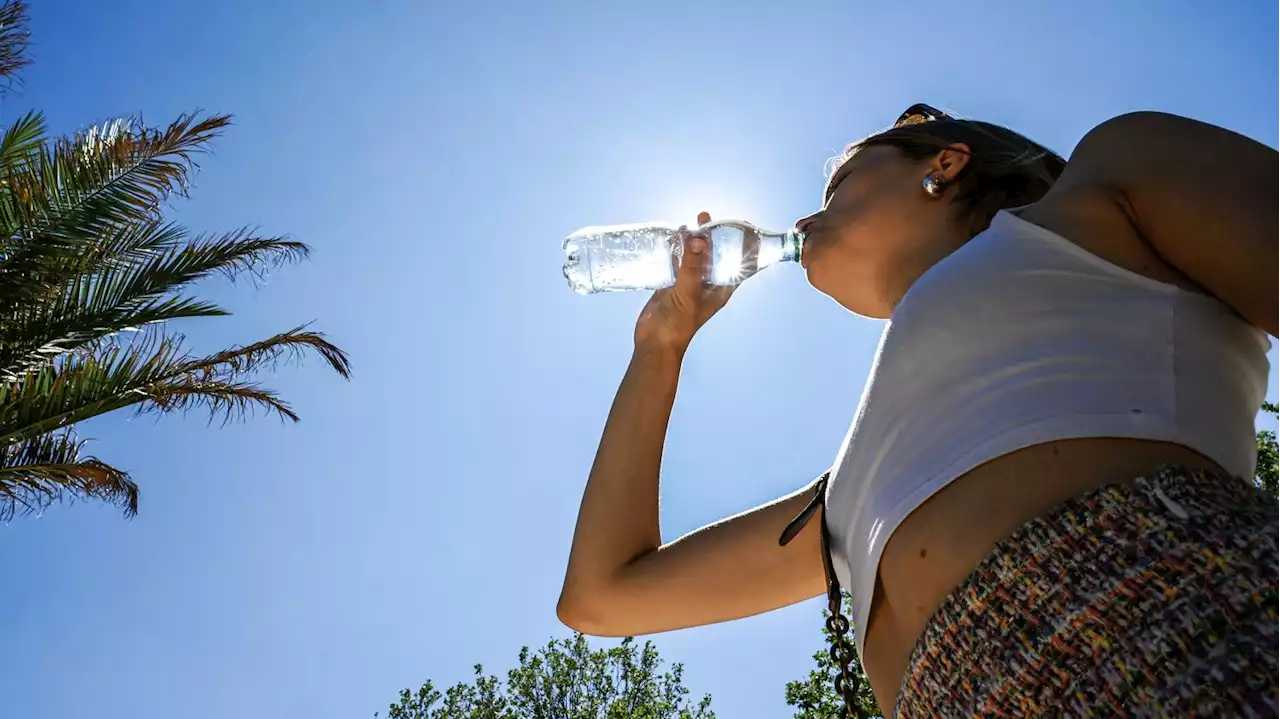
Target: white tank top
1019	338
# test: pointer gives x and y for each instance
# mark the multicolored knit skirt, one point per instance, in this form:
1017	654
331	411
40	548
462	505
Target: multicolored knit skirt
1156	598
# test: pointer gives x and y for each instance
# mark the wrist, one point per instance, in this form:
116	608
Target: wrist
666	353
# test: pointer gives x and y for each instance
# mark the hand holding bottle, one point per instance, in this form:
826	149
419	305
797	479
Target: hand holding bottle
674	314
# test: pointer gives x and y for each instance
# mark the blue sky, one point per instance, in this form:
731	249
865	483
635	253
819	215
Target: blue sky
418	519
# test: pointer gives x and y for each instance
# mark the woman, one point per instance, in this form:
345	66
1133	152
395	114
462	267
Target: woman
1042	505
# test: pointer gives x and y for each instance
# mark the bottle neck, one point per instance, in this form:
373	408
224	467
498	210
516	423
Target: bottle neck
778	247
763	248
792	245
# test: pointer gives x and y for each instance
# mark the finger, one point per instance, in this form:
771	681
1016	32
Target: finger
693	267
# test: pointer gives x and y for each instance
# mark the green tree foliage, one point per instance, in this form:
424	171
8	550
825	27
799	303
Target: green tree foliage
90	273
566	679
814	697
1268	462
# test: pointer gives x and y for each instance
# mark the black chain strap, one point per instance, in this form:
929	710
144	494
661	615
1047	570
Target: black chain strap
837	623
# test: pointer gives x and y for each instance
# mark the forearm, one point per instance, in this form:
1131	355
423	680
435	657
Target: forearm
622	580
618	519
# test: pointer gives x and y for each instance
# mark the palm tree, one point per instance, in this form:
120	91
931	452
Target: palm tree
90	273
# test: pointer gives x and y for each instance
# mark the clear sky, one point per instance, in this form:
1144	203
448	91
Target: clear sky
417	521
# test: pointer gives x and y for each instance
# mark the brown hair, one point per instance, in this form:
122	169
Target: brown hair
1005	169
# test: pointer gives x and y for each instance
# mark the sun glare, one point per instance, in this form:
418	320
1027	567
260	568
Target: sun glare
722	202
728	264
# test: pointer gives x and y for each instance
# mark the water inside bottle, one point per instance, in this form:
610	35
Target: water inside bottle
620	258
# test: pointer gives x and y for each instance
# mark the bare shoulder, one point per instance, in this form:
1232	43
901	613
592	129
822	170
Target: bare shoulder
1095	219
1177	200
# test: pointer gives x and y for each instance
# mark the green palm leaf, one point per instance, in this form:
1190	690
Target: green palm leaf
76	190
23	293
156	375
112	173
37	472
126	282
22	141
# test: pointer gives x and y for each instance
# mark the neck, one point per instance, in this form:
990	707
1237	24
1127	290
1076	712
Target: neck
907	270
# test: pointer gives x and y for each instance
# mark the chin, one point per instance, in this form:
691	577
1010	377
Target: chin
814	275
846	294
872	313
824	280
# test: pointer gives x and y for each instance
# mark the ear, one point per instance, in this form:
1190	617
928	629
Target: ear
948	163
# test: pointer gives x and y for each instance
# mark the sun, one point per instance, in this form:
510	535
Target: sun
723	203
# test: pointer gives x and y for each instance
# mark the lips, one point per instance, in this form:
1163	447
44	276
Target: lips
809	236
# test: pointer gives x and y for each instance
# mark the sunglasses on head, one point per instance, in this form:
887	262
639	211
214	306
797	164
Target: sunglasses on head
919	113
914	115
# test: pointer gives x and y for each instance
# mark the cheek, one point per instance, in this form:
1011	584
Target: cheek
854	260
866	237
873	209
845	248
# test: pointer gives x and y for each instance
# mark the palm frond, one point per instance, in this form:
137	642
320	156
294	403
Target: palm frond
37	472
134	243
154	374
34	343
62	202
215	382
24	288
22	141
230	254
230	400
289	346
124	281
83	186
57	395
13	40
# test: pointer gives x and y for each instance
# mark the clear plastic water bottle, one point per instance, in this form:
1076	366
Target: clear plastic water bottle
645	256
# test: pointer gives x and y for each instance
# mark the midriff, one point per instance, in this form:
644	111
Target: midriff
939	544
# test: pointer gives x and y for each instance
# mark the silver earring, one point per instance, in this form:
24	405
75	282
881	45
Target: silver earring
933	186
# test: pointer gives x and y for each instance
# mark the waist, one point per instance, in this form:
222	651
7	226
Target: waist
940	542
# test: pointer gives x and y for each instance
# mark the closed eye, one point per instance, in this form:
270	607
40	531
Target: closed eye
831	187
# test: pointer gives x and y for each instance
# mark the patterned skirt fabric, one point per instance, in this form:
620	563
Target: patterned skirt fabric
1156	598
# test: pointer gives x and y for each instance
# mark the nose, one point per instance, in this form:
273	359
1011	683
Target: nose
803	223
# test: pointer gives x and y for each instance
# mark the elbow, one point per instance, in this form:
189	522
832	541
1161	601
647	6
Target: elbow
587	612
570	612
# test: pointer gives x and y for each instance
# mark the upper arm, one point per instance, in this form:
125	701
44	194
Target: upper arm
1203	198
727	570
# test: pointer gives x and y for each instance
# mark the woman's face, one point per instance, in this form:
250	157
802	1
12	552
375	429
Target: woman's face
879	230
